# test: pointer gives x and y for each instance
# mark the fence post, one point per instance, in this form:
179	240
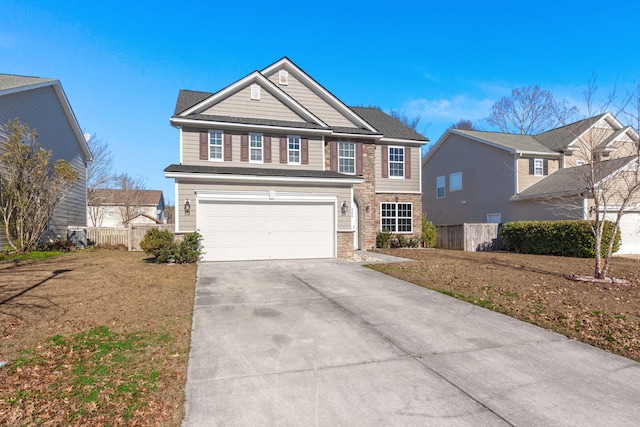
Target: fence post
129	239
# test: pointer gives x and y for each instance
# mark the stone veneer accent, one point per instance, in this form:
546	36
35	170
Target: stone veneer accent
345	244
366	197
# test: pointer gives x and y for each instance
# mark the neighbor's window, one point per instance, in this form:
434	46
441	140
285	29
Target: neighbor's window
455	181
347	157
255	147
396	217
579	162
494	218
396	162
294	149
538	167
215	145
440	187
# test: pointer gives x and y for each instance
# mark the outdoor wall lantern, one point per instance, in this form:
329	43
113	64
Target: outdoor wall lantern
187	207
344	208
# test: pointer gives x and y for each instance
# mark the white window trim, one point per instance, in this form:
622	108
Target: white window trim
254	148
221	159
535	167
396	162
353	144
299	150
396	217
444	187
451	189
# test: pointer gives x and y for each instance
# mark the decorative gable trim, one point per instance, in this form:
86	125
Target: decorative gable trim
255	78
327	96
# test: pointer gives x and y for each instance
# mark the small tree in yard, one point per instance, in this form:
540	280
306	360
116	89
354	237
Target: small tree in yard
609	179
30	187
132	197
99	177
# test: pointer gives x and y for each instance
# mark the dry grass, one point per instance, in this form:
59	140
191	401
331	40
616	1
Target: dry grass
533	288
94	337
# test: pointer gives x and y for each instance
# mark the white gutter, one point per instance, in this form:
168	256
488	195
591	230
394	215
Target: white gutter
249	178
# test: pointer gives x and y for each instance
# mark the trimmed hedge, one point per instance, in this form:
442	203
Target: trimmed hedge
561	238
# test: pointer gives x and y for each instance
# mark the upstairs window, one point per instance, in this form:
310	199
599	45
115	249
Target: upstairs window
215	145
440	187
538	167
255	147
396	217
294	149
347	157
455	181
396	162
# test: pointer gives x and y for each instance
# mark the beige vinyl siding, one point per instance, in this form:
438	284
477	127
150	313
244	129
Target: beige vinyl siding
240	104
186	189
487	182
525	180
41	110
397	184
312	102
191	152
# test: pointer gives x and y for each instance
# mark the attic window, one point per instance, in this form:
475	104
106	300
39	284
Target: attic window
283	77
255	92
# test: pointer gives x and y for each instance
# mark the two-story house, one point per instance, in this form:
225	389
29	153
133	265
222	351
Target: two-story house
275	166
42	104
119	208
478	177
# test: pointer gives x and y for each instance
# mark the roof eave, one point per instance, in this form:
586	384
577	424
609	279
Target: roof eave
179	121
257	178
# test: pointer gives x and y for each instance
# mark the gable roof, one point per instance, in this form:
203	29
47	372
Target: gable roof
113	197
11	83
571	181
559	139
189	98
387	125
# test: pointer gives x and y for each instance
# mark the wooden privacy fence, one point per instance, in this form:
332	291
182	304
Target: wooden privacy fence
129	236
469	237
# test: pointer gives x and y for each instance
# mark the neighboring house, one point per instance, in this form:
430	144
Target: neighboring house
119	208
42	105
275	166
488	177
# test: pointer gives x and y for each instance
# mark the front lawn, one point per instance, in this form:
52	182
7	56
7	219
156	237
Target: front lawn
533	288
94	337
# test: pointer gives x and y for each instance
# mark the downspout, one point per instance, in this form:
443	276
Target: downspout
585	207
516	156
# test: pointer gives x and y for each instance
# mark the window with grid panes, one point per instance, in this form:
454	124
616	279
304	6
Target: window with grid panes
396	217
347	157
215	145
255	147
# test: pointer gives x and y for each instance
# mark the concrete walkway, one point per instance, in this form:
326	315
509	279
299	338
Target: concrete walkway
330	343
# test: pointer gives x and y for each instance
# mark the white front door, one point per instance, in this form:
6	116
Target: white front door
355	224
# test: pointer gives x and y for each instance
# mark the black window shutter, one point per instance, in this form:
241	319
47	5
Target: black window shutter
545	167
531	166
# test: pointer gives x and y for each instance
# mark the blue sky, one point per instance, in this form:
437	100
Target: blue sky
121	63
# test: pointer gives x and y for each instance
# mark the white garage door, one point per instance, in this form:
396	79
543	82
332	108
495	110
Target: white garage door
257	230
630	233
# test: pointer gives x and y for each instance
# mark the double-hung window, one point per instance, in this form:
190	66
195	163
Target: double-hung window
440	187
538	167
347	157
215	145
255	147
396	162
294	149
396	217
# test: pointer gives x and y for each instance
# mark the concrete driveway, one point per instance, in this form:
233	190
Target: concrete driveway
328	342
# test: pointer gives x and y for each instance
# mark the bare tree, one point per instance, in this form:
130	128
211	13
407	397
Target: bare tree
131	197
463	124
529	110
610	176
99	177
404	119
30	187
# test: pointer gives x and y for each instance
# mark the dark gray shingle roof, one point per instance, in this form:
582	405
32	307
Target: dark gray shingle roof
387	125
189	98
11	81
291	173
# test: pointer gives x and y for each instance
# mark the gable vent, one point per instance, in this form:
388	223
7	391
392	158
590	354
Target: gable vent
283	77
255	92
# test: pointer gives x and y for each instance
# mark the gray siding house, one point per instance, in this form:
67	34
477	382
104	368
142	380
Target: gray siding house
275	166
42	104
490	177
